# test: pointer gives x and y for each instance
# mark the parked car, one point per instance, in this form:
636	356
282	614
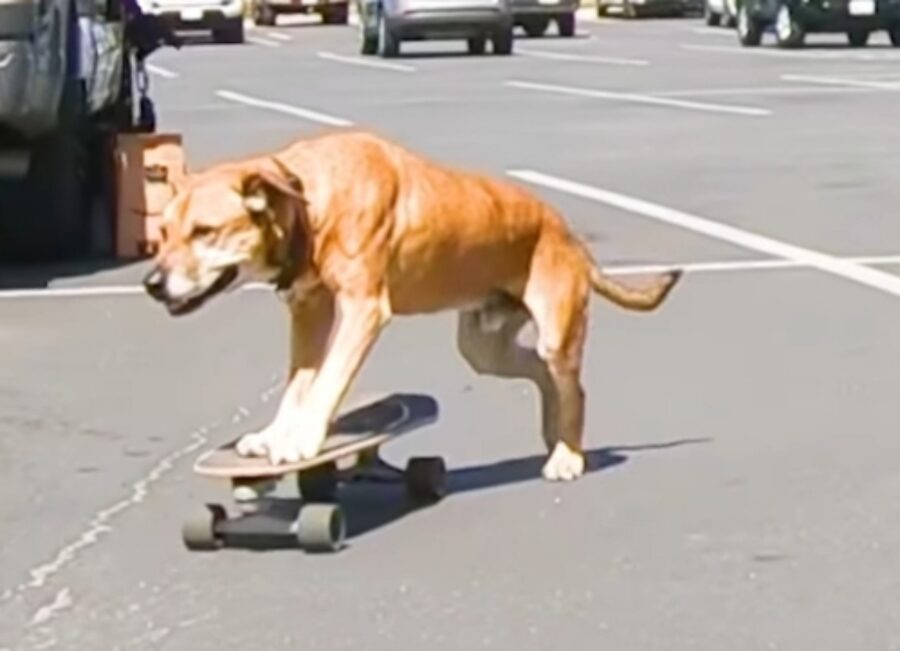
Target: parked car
385	24
720	12
535	16
223	18
641	8
792	20
65	83
332	12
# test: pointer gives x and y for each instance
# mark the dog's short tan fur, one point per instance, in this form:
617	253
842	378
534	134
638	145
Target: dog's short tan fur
356	229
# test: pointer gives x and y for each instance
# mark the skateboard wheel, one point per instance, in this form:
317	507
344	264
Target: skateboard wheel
426	479
318	484
199	529
321	527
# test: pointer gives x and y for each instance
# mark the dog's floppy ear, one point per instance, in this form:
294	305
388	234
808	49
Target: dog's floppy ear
261	186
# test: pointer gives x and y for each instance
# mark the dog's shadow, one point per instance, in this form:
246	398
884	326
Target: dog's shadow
369	506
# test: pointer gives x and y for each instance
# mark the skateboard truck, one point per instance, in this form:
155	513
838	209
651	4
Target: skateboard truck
318	524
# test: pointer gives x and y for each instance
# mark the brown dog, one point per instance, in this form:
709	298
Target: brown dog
353	230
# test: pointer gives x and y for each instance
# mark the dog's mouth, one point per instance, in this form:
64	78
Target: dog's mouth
187	305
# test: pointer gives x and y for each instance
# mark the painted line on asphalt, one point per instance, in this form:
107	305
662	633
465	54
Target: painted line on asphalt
763	90
363	62
712	31
841	81
642	99
287	109
790	54
874	278
278	36
714	266
159	71
584	58
265	42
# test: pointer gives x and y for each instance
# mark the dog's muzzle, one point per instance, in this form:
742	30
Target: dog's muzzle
155	286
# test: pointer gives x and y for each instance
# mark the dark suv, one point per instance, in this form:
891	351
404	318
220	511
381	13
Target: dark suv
792	20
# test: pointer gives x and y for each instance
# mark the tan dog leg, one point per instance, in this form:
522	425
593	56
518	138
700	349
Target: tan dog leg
494	351
559	305
300	428
311	322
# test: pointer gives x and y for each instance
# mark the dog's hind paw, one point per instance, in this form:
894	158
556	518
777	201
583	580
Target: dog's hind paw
564	464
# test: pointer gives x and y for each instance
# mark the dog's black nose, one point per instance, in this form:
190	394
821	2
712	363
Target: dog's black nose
155	283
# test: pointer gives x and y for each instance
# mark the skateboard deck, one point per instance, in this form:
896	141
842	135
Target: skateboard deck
354	432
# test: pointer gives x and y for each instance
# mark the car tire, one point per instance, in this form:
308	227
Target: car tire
476	45
710	17
566	25
749	29
336	15
502	41
535	27
231	32
858	38
368	42
601	10
47	217
789	33
264	14
894	35
388	43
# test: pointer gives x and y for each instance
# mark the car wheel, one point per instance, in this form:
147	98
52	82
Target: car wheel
388	43
502	42
858	38
368	42
477	45
748	28
566	25
788	32
232	32
535	27
601	10
894	34
264	14
711	17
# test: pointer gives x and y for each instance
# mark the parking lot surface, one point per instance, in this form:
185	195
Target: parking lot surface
744	463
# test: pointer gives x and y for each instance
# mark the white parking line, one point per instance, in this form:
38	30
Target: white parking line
278	36
584	58
642	99
361	61
296	111
159	71
258	40
792	54
841	81
716	266
874	278
764	90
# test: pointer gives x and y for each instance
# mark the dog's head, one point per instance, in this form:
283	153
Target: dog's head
224	227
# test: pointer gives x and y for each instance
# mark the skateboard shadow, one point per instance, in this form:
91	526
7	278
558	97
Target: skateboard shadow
369	506
372	506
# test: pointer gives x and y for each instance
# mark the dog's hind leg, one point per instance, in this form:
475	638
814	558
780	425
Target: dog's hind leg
557	297
487	340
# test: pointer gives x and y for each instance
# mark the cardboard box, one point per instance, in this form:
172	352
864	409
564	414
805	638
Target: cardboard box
147	168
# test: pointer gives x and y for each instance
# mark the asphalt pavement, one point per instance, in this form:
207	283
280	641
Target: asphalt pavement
744	464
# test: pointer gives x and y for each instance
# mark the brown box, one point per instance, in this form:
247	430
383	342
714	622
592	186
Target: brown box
147	168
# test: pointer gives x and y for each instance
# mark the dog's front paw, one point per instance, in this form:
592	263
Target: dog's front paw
301	438
256	444
564	464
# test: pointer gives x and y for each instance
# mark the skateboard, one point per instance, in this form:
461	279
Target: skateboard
350	453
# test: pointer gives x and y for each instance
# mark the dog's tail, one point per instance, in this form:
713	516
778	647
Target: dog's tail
642	299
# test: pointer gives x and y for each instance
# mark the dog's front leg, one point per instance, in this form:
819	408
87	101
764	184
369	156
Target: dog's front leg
312	320
300	428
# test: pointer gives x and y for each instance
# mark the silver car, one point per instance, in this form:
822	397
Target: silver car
385	24
534	16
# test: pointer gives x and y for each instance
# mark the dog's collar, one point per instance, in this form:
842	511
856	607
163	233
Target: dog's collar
289	264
